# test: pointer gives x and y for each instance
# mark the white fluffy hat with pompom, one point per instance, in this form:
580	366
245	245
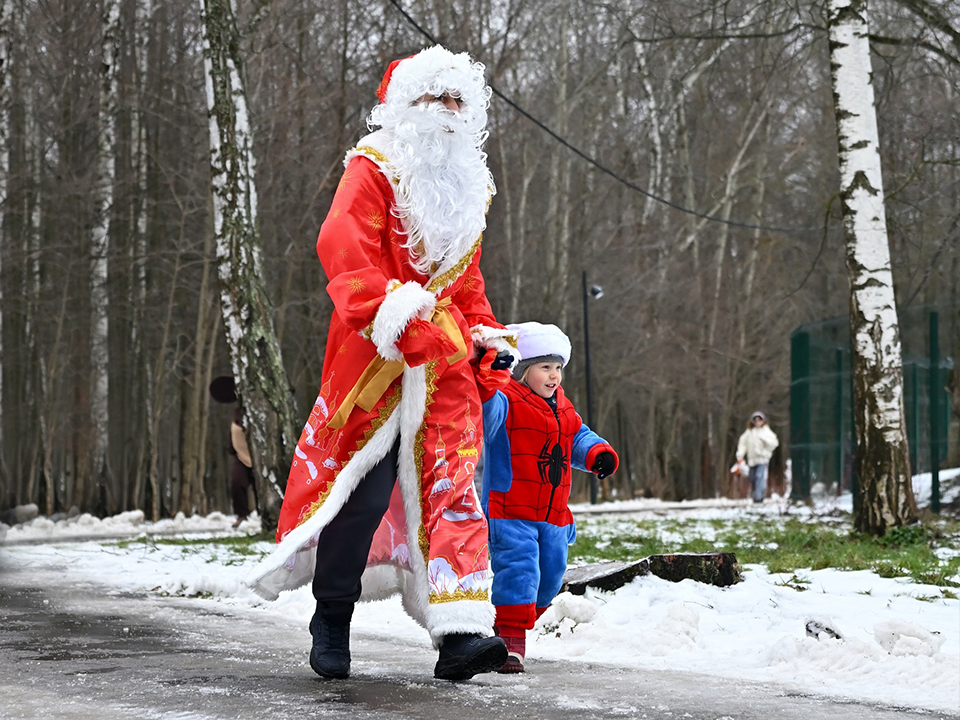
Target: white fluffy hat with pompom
536	341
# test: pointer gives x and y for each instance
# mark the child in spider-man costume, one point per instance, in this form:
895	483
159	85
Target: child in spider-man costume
532	437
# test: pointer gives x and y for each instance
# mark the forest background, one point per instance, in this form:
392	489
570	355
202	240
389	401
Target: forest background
721	108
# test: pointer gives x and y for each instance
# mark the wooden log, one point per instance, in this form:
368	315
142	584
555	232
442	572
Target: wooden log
720	569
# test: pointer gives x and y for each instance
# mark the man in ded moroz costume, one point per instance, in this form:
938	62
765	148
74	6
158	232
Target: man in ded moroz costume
382	478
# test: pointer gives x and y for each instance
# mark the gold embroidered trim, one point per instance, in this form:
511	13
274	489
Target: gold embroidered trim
422	541
458	595
372	153
317	504
378	157
430	376
442	281
393	399
383	414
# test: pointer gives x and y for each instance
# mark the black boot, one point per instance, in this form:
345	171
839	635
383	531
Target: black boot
463	656
330	655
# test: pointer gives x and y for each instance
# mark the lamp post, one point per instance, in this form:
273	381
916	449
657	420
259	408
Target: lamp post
595	291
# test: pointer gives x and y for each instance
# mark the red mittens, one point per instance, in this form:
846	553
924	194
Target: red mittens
422	342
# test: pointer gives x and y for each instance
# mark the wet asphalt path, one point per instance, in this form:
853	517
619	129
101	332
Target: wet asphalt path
78	651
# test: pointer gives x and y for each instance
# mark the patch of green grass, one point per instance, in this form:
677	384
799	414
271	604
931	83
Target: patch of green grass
643	539
234	547
782	545
238	543
797	582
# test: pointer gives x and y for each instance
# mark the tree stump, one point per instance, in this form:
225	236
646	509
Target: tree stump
720	569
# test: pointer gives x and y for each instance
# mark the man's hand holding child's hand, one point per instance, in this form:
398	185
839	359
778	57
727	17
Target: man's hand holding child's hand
492	371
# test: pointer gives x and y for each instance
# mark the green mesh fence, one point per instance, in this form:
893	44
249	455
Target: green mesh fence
821	418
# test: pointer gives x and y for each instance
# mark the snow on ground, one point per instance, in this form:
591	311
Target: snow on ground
898	646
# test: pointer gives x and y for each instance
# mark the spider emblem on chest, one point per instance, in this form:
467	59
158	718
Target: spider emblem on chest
550	463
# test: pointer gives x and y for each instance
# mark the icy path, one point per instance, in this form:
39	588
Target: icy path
71	648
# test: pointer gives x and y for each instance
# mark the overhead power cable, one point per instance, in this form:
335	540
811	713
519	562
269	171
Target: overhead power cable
603	168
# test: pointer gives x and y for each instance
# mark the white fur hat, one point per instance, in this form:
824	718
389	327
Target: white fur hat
434	70
536	340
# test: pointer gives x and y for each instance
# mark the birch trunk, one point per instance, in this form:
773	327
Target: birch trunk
143	11
100	242
247	313
37	374
516	243
885	495
6	14
656	137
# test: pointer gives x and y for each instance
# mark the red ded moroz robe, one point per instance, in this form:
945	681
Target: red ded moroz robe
432	543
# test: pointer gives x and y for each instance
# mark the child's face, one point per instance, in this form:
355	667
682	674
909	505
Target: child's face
544	378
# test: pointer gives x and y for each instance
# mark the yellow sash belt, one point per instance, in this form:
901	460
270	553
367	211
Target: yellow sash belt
380	374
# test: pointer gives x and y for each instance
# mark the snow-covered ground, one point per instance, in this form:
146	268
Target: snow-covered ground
900	641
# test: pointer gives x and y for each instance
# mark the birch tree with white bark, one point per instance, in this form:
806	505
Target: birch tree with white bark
881	461
6	13
262	384
100	241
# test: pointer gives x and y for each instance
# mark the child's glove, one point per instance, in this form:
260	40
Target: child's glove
503	361
490	371
422	342
605	464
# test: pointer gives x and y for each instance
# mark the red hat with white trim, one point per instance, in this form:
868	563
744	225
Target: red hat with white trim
382	89
434	70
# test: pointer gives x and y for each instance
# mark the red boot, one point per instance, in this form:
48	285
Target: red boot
516	649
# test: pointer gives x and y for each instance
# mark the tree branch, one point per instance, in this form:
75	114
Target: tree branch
917	42
932	17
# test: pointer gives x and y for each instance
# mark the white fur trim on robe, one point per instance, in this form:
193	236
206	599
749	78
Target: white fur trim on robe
498	339
293	561
379	140
403	303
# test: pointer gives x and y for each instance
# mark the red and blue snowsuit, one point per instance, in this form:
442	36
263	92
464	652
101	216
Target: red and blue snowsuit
530	444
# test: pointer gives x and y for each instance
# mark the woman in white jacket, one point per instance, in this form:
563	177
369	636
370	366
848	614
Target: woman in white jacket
756	446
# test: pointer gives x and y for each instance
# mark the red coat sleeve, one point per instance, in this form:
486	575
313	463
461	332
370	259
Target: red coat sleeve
351	240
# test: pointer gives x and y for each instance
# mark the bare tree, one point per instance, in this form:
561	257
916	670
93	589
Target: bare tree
714	105
247	311
99	245
882	461
6	14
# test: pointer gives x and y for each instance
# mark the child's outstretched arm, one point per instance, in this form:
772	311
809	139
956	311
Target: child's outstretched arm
591	453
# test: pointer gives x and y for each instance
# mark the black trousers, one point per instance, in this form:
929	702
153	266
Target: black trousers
345	543
241	478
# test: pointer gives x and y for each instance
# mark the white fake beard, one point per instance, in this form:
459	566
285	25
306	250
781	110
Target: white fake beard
444	183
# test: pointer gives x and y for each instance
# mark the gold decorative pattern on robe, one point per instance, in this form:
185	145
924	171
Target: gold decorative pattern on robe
430	373
356	284
380	374
317	504
393	399
372	153
378	157
375	220
442	281
458	595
